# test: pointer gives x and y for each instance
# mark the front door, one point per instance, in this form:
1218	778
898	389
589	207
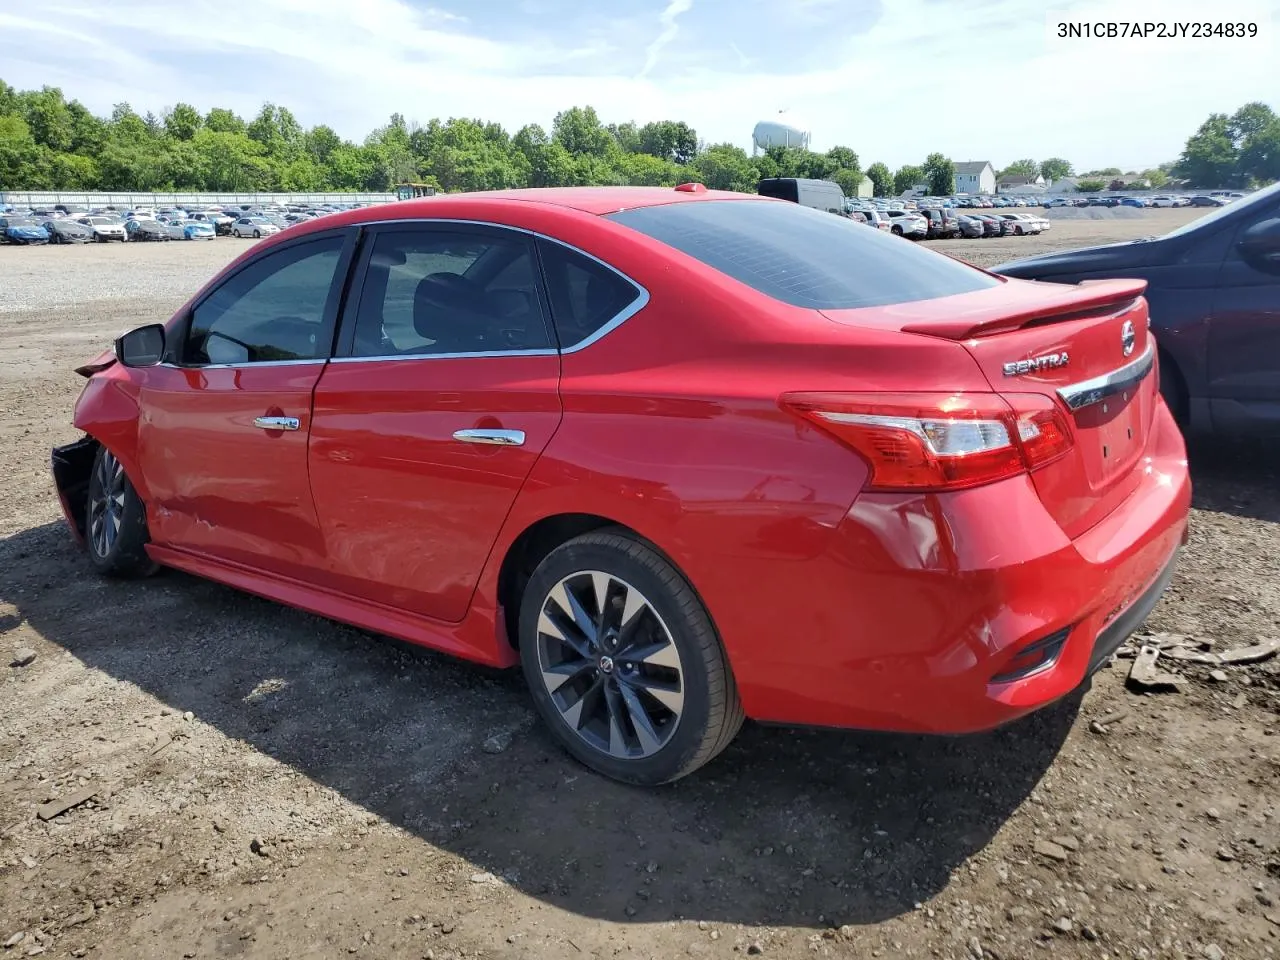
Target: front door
1244	337
425	427
223	437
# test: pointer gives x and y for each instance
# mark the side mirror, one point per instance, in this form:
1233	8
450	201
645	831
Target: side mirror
143	347
1260	244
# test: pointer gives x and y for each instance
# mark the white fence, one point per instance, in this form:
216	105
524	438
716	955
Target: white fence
49	198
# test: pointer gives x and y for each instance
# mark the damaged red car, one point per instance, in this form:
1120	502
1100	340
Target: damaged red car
685	456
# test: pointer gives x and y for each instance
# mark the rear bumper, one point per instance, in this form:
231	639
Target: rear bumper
931	602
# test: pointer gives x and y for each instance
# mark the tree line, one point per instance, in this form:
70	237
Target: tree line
50	143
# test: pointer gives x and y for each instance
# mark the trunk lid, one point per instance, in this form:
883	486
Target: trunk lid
1086	346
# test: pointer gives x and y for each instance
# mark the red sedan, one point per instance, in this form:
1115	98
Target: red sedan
686	456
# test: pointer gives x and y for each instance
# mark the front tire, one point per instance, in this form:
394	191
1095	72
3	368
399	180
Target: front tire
623	662
257	234
896	231
116	522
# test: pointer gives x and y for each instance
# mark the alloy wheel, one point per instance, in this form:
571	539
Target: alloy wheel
106	509
610	665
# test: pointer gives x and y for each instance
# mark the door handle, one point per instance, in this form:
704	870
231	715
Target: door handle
501	438
276	423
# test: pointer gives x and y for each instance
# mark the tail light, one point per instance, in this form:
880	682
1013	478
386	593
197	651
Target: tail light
940	441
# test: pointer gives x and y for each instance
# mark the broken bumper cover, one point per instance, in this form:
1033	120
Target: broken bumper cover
71	465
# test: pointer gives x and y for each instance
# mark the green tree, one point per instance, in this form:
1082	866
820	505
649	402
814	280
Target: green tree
627	136
221	120
906	178
646	170
1020	168
881	179
1260	155
669	139
724	166
1156	177
182	122
1248	121
579	131
1105	172
1055	168
940	173
1211	157
47	117
1090	186
21	161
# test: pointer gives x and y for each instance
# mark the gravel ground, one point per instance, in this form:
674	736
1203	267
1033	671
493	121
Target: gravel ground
269	784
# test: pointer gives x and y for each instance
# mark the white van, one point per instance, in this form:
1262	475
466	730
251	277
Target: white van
819	194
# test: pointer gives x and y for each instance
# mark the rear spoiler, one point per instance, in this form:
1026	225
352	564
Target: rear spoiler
1088	298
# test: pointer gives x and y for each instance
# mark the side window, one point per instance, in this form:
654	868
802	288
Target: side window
434	292
585	295
273	309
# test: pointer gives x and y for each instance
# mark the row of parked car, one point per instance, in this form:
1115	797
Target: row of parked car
68	224
943	223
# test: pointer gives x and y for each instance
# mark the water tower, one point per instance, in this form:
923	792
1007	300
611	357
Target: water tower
784	130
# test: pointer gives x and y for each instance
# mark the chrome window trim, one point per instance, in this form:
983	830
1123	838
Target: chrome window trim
247	363
1077	396
626	313
477	355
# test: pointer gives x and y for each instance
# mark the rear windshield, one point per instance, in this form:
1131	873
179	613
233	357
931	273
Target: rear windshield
804	257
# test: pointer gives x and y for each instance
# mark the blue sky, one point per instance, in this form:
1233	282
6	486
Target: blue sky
893	79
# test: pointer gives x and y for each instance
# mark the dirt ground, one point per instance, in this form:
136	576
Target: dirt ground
268	784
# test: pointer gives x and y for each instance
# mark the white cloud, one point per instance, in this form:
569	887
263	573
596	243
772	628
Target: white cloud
976	81
670	27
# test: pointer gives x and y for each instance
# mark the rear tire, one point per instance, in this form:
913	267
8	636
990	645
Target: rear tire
896	231
623	661
116	522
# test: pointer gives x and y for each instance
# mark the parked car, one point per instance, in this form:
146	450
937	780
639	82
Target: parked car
907	223
143	228
1207	201
104	228
818	194
1020	225
67	231
1136	202
993	225
971	226
23	231
1162	202
221	222
1214	290
639	551
253	227
877	218
190	230
941	222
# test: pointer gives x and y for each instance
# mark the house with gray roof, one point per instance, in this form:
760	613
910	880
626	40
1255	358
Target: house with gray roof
976	177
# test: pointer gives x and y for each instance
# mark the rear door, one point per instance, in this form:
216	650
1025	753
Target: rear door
425	427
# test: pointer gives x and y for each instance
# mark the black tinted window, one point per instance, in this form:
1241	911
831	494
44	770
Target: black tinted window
273	309
433	292
585	295
804	257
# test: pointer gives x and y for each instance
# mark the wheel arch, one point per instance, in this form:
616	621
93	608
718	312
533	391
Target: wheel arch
1173	386
532	545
